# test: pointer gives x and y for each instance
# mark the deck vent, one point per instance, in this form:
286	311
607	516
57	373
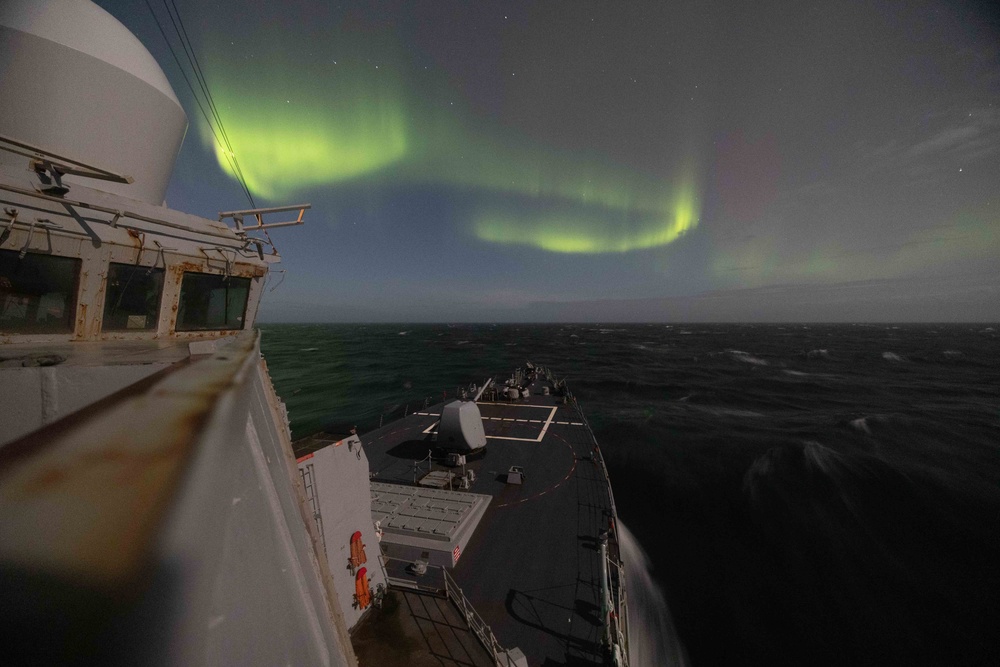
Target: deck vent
515	475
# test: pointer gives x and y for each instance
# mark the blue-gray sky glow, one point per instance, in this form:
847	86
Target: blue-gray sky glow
640	161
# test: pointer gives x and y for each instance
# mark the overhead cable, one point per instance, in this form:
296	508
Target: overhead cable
223	140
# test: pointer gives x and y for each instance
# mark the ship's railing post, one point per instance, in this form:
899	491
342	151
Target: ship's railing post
620	635
475	622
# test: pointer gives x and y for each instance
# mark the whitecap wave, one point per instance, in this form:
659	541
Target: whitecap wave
724	412
746	357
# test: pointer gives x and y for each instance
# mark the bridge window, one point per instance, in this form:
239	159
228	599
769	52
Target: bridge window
37	292
209	301
132	298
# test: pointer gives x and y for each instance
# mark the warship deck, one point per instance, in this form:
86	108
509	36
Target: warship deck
532	568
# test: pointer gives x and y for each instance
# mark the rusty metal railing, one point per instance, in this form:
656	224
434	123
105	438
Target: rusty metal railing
451	590
501	656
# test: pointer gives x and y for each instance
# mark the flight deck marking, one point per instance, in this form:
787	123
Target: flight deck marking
516	405
548	421
552	413
554	486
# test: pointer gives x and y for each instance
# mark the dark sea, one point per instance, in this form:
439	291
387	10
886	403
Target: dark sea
807	494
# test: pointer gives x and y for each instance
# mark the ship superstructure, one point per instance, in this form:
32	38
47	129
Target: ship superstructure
152	510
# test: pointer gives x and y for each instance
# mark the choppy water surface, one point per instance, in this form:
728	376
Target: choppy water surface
824	494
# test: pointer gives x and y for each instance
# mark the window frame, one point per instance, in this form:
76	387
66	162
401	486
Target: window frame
242	324
69	324
159	301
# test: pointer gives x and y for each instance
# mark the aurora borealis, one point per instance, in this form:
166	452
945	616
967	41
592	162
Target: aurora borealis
467	160
358	121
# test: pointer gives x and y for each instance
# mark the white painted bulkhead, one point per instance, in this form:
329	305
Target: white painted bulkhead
342	495
178	504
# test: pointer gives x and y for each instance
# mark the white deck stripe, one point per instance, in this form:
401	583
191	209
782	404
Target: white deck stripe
516	405
547	422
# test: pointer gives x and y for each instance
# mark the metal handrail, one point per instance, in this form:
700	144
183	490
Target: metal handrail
479	627
501	657
118	213
238	235
259	213
44	157
621	608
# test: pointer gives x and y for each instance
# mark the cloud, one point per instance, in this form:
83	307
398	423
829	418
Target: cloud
932	144
955	298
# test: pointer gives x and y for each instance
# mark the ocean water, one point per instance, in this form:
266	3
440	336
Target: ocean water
806	494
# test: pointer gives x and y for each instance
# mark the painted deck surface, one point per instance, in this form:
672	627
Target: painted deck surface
532	568
418	630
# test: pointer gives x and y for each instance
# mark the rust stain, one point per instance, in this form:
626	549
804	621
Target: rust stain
48	479
126	468
123	485
240	270
179	269
81	321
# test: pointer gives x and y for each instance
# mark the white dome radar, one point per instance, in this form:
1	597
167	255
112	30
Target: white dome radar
79	84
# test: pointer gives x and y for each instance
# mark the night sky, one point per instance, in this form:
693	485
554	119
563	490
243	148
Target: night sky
652	161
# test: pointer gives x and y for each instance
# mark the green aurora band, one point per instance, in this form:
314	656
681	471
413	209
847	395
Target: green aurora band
586	232
360	123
